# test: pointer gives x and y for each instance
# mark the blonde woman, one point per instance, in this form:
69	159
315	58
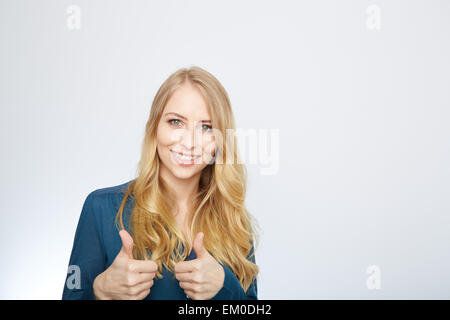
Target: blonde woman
180	230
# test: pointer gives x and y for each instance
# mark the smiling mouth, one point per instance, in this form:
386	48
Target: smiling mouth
184	157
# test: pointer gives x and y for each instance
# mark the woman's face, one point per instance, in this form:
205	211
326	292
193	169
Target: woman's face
185	140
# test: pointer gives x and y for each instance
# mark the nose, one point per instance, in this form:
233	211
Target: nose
191	139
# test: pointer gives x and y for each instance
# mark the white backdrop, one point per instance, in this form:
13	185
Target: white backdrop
359	92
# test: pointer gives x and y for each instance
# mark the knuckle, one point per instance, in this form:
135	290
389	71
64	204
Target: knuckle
130	267
129	281
198	278
107	278
146	293
142	295
132	291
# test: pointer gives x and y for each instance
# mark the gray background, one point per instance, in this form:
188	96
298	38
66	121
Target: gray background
362	115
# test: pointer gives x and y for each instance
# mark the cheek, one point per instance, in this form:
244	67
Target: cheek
166	136
163	142
209	145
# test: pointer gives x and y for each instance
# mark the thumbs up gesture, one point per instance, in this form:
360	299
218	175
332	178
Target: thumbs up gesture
126	278
203	277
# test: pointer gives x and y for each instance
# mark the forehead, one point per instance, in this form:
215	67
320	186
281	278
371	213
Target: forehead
188	101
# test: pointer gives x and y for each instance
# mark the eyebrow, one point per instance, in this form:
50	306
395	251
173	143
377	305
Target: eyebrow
183	117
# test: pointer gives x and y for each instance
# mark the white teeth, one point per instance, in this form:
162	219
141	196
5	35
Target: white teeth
185	158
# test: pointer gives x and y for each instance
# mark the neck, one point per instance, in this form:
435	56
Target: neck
182	191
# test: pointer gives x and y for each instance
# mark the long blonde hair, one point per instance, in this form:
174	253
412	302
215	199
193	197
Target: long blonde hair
219	208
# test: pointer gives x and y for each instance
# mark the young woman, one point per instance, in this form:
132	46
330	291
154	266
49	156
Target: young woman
180	230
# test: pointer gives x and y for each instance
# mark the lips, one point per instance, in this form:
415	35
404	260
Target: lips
183	160
185	154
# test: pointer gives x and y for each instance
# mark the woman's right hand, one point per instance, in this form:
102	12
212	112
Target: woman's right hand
126	278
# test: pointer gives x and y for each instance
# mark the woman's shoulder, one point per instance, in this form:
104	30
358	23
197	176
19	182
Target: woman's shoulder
113	190
104	197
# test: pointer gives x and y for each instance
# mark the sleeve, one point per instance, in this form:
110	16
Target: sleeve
88	258
232	289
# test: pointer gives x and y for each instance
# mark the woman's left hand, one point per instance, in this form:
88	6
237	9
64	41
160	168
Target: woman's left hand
203	277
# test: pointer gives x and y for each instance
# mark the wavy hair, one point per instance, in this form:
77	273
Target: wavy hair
219	210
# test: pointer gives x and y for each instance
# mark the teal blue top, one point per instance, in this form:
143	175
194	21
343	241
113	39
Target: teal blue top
97	243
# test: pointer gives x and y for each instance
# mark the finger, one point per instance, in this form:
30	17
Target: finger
143	294
191	294
198	246
142	266
144	277
185	276
189	286
139	288
186	266
127	244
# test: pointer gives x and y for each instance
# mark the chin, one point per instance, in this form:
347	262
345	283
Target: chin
182	173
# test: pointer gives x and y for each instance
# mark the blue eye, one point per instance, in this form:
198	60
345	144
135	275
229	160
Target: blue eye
171	121
208	128
177	123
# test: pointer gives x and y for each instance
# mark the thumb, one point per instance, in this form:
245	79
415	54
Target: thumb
199	249
127	244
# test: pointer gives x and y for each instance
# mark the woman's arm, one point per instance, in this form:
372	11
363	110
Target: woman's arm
88	257
232	289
